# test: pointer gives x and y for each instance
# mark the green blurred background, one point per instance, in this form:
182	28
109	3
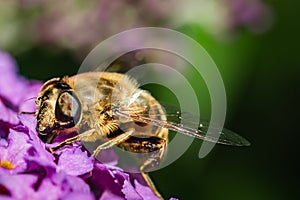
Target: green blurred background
258	60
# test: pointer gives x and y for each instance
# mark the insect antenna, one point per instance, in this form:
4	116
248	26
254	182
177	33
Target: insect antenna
26	112
30	99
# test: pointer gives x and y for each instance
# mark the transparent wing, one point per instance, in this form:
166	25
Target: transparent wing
184	123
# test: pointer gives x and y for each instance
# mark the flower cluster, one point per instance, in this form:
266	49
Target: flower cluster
79	26
29	171
251	14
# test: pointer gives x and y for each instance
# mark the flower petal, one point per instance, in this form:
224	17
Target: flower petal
38	147
16	151
75	162
18	186
130	192
106	177
107	195
145	191
14	89
79	196
8	115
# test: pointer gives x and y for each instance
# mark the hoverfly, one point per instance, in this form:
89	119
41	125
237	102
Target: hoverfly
98	104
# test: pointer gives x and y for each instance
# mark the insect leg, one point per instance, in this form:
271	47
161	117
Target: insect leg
76	138
147	144
150	183
115	141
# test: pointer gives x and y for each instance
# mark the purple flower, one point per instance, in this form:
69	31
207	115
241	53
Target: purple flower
33	186
7	114
13	151
252	14
9	185
14	91
29	171
79	25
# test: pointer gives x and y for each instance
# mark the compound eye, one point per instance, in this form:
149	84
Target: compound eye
68	108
